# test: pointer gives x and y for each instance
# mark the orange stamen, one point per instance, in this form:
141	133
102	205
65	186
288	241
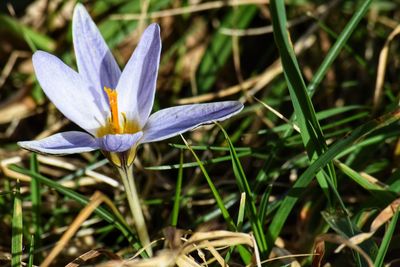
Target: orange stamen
112	99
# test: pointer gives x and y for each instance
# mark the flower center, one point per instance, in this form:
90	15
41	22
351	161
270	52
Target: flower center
114	125
112	99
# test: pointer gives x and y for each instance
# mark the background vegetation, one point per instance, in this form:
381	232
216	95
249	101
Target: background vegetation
310	162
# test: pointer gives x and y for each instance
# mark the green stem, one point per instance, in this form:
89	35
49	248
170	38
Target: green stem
134	204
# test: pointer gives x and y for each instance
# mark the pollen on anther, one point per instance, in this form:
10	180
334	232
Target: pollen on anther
113	101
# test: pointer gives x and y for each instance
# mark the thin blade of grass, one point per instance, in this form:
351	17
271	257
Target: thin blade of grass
178	189
31	251
244	186
263	208
16	239
196	164
386	241
95	201
246	256
341	223
381	194
311	132
36	203
100	211
220	48
217	196
297	189
338	45
215	148
242	209
244	253
34	39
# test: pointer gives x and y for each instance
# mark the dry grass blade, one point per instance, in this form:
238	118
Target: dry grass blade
380	77
96	200
94	253
18	109
52	129
56	162
319	250
293	263
337	239
10	173
383	217
371	179
199	243
216	255
321	10
254	84
246	85
10	64
164	258
188	9
92	177
278	114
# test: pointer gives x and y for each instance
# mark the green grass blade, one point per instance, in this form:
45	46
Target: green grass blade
244	253
220	48
341	223
350	227
34	39
31	251
381	194
115	31
36	202
214	148
16	239
263	208
100	211
242	209
250	204
297	189
195	163
386	241
338	45
217	196
178	189
311	132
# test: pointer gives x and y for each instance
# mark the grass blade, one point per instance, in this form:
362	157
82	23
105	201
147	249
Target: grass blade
36	203
250	204
16	242
242	209
31	251
311	132
175	210
220	47
298	188
34	39
381	194
217	196
386	241
100	211
338	45
196	164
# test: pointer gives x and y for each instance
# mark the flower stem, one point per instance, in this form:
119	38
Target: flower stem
134	204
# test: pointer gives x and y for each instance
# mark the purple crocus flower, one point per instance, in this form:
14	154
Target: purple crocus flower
113	107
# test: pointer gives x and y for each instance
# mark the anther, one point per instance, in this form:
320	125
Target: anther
112	99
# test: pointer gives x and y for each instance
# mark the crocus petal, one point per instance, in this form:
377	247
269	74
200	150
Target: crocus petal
94	59
137	83
62	143
176	120
118	142
68	91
